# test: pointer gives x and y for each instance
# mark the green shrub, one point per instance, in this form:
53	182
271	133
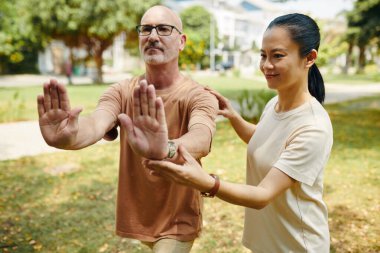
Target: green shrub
252	103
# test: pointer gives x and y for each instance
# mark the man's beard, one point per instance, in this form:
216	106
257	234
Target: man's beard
153	58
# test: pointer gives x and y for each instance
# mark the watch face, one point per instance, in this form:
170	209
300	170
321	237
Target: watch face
172	149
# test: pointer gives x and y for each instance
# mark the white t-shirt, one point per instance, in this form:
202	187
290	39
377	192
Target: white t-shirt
298	143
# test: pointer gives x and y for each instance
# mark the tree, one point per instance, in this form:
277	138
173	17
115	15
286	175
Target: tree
196	24
92	24
19	43
332	45
363	27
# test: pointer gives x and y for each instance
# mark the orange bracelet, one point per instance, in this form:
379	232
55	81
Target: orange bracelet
214	190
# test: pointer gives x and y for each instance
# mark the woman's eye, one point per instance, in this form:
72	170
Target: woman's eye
278	55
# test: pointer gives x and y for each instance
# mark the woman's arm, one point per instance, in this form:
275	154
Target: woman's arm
192	174
243	128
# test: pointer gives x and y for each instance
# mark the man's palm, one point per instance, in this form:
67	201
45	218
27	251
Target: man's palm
147	134
58	122
57	128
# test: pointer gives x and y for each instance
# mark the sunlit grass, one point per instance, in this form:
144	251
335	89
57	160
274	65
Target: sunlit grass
353	79
75	211
20	103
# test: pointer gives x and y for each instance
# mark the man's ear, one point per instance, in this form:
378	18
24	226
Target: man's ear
182	42
311	58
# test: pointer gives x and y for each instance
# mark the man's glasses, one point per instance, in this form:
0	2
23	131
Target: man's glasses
162	30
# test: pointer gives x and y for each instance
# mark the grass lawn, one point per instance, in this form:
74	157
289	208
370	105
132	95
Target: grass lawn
356	79
20	104
41	211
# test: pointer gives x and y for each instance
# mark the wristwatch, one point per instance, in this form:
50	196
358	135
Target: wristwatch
172	149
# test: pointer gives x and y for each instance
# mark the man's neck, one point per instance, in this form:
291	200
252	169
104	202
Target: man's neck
163	77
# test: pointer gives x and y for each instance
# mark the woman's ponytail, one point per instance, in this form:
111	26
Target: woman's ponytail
316	84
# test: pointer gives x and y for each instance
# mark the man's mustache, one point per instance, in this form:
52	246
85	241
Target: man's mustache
153	46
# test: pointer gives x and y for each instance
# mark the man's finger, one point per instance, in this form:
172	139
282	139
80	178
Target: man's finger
54	94
47	98
40	105
161	118
144	98
127	124
63	97
136	102
73	116
152	100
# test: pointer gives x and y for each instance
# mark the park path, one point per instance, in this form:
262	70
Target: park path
20	139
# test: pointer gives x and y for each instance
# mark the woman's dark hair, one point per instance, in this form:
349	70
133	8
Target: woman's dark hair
305	32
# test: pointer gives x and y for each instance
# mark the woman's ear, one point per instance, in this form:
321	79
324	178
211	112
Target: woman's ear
311	58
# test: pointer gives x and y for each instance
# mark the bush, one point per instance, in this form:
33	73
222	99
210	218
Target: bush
252	103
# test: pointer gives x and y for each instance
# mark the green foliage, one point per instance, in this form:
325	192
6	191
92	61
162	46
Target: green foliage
332	45
19	42
363	28
252	103
91	24
196	25
364	20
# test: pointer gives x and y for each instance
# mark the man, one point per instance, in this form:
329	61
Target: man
163	215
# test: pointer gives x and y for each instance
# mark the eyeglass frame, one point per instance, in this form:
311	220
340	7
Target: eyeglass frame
155	27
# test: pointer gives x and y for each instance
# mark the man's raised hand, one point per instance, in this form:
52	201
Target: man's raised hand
58	122
147	133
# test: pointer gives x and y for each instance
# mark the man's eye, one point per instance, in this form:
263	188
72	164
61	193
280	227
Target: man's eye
146	28
163	28
278	55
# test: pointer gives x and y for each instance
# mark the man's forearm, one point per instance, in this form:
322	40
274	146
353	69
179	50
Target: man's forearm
197	142
92	128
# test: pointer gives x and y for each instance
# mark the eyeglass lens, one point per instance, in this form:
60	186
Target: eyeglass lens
163	30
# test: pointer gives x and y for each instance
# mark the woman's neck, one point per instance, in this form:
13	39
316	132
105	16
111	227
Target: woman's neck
292	98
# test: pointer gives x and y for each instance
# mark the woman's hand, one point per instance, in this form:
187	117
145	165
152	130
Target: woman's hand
189	174
225	107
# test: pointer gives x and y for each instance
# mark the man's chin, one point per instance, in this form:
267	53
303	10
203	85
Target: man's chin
153	59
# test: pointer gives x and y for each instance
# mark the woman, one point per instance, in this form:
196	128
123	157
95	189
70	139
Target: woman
287	150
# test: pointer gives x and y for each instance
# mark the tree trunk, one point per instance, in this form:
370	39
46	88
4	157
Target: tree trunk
348	58
361	60
98	58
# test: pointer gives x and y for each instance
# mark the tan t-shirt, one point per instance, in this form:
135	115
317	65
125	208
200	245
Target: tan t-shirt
297	142
150	207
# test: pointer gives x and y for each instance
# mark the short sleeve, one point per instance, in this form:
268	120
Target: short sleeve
111	100
305	154
204	109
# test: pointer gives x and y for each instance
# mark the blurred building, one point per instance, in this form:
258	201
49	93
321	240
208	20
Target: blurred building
240	25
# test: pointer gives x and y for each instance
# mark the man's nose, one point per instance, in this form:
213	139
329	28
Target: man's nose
153	35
